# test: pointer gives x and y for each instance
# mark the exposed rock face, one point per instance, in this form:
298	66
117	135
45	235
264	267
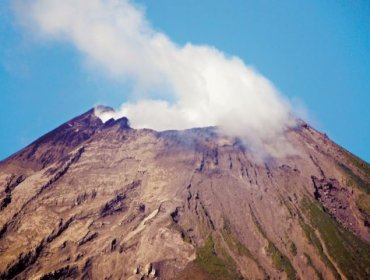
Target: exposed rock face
94	200
337	201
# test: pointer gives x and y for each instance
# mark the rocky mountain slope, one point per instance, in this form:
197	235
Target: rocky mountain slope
93	200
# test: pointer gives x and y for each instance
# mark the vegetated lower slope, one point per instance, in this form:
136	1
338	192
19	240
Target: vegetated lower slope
104	201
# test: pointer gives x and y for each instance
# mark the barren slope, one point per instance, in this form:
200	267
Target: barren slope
104	201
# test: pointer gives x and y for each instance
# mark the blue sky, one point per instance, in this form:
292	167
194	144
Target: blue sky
317	52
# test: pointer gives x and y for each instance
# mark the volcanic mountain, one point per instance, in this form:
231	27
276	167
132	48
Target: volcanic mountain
94	200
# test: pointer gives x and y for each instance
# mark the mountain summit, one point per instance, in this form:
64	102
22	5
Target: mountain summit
100	200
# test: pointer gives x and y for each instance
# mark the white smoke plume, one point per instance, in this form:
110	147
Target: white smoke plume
200	85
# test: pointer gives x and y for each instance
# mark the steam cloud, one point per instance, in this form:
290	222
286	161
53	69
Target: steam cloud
199	85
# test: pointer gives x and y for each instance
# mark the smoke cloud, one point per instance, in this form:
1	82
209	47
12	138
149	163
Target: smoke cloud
198	84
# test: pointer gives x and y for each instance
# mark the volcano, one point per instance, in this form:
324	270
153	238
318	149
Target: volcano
101	200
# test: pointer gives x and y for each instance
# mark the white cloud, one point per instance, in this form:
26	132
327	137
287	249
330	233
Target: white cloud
206	87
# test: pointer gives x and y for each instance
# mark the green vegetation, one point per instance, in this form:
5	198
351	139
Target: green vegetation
310	263
355	179
209	261
350	253
293	249
363	203
314	240
280	261
217	267
234	243
359	163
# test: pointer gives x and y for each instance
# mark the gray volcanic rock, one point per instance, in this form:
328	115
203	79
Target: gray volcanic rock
94	200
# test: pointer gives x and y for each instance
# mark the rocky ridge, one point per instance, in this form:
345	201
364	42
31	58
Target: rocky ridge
94	200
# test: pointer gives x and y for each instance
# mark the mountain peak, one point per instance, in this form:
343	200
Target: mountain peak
89	195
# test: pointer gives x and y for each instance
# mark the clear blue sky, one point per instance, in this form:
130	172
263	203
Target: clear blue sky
316	51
